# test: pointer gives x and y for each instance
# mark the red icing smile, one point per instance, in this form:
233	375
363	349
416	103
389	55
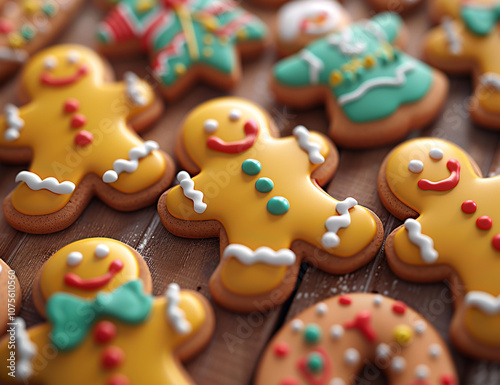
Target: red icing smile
239	146
445	184
73	280
49	80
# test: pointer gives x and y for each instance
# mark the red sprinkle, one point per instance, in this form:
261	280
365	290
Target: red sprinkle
496	242
484	223
469	207
6	26
84	138
71	105
104	332
289	381
281	349
78	120
112	357
399	307
362	322
345	300
447	379
118	379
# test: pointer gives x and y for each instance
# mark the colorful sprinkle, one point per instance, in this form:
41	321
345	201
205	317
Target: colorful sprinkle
180	69
403	334
435	350
321	308
50	8
377	300
6	26
336	78
421	372
315	363
337	381
399	307
312	334
264	185
278	205
297	325
398	364
362	322
345	300
351	356
496	242
420	327
383	351
336	331
281	349
289	381
469	207
251	167
370	61
28	31
484	222
447	379
15	40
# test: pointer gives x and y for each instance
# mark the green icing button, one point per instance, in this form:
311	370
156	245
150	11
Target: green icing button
264	185
251	167
28	31
315	363
50	8
312	334
278	205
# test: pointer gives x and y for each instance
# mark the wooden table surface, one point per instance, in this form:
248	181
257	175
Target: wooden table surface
232	355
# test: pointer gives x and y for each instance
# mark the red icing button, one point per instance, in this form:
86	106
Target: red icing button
289	381
104	332
112	357
84	138
78	120
447	379
484	223
496	242
71	105
345	300
399	307
6	26
469	207
281	349
118	379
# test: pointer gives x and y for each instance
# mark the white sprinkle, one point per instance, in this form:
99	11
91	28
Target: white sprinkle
415	166
377	300
420	327
436	153
336	332
234	115
297	325
435	350
321	308
101	251
351	356
383	351
398	364
337	381
210	125
74	258
421	372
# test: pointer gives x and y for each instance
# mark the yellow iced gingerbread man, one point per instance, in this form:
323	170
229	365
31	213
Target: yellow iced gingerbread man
455	237
75	130
105	327
468	44
261	195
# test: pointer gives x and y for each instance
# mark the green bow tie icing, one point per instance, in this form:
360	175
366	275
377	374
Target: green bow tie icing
180	34
480	18
368	77
73	317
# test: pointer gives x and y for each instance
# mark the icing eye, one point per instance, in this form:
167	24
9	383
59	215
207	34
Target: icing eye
234	115
436	153
101	251
74	258
211	125
415	166
50	62
73	57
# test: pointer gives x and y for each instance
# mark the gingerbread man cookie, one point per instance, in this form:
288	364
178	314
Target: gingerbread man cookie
332	341
104	326
260	194
455	236
10	296
187	41
27	26
469	44
75	128
375	94
301	22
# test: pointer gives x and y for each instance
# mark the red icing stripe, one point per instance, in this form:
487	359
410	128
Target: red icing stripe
251	130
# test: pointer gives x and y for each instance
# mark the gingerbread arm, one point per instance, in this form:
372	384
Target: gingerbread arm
389	24
14	123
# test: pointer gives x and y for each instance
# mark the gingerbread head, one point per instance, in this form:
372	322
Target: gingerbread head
104	324
455	235
261	195
76	131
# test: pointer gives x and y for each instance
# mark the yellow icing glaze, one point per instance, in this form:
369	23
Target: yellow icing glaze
48	131
457	239
149	348
233	200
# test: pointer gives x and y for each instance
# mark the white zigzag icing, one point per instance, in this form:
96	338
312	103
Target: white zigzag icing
307	145
189	191
454	42
14	123
336	222
135	154
491	79
282	257
424	242
175	314
26	350
35	183
133	91
398	80
315	65
488	303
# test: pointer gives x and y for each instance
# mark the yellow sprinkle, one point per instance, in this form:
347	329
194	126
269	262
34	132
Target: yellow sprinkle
370	61
15	40
336	78
242	33
352	66
180	69
208	52
144	5
211	24
403	334
208	39
388	49
31	6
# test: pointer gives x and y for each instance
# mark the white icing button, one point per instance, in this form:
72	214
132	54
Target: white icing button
421	372
74	258
336	332
101	251
321	308
50	62
297	325
210	125
73	56
351	356
383	351
398	364
377	300
419	327
435	350
436	153
234	114
415	166
337	381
